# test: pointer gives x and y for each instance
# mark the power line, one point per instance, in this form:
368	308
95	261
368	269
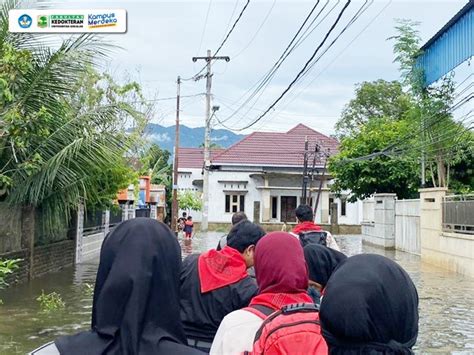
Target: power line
336	57
198	75
269	75
298	76
205	26
256	32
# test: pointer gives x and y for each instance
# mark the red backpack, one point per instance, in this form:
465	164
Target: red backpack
294	329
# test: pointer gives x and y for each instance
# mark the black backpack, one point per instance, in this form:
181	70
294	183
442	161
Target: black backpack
313	237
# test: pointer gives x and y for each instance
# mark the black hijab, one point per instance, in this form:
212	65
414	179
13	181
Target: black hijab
370	306
322	261
135	306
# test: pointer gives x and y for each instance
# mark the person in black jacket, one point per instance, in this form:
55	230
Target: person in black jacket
236	218
135	308
216	283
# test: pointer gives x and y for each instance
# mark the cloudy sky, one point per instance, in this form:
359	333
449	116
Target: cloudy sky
163	36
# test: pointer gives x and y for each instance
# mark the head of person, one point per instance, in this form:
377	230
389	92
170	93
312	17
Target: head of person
137	285
190	218
238	217
370	305
304	213
243	237
321	261
279	264
184	214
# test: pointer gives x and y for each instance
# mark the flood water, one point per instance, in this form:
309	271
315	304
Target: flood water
446	303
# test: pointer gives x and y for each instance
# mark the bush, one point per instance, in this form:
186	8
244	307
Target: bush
50	301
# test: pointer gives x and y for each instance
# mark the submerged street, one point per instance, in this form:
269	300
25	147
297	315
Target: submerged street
446	302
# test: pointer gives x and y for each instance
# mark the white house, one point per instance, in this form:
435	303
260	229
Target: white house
262	176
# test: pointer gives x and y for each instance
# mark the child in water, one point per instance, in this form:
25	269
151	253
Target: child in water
188	227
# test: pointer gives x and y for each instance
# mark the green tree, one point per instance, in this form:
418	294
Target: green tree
375	99
439	137
53	152
188	200
381	174
211	146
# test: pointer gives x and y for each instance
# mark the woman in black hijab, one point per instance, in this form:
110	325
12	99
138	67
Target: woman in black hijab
321	261
136	297
370	306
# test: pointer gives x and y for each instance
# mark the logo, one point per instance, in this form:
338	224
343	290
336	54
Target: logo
66	21
25	21
42	21
102	20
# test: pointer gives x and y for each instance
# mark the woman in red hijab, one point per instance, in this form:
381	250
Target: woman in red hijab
282	277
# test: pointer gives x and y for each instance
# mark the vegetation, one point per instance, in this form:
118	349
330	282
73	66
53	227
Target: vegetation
7	267
50	301
65	129
189	200
388	126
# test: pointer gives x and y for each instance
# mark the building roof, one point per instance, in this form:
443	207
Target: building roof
276	148
193	158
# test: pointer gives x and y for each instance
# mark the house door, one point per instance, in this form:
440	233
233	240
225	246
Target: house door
288	207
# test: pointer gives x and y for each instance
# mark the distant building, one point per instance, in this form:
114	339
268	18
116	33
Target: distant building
261	175
151	200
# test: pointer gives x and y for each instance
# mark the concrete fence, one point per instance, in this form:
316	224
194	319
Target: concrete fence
407	226
435	226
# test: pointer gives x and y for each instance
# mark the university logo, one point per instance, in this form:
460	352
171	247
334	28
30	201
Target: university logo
42	21
25	21
102	20
66	21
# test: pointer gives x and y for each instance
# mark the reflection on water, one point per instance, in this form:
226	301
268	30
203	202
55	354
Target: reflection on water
446	302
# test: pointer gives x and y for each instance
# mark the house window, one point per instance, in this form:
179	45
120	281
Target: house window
234	203
274	207
331	200
343	207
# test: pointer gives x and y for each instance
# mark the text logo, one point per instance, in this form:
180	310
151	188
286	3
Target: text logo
102	20
67	21
42	21
25	21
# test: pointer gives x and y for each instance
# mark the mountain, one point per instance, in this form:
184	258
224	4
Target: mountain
189	137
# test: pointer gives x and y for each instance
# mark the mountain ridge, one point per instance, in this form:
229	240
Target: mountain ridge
188	137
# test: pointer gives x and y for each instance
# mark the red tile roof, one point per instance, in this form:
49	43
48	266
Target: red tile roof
276	149
193	158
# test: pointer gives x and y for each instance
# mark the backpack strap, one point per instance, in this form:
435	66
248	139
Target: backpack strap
260	310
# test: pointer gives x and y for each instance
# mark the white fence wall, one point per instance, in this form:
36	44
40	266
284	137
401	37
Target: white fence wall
368	211
407	226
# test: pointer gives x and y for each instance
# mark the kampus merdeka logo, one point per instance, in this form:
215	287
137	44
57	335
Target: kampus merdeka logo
102	20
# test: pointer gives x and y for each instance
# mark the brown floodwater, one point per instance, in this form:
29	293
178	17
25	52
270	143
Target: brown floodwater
446	302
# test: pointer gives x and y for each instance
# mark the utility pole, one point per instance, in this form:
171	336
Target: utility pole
304	192
207	136
326	155
174	204
316	150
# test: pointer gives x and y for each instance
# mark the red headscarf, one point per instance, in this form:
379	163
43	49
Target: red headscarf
281	271
220	268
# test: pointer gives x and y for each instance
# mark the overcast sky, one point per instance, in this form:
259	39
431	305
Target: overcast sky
164	35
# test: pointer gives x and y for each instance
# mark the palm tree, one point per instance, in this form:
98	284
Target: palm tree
52	154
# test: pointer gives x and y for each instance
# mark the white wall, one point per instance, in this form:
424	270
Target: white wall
217	212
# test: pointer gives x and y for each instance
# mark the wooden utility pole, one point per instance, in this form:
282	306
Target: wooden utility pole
207	139
304	189
174	205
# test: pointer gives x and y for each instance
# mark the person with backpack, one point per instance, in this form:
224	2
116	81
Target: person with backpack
322	262
281	319
215	283
310	233
370	306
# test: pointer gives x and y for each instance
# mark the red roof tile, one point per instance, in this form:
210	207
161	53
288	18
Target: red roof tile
189	158
276	149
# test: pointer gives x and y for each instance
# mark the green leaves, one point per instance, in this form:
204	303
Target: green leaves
189	200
